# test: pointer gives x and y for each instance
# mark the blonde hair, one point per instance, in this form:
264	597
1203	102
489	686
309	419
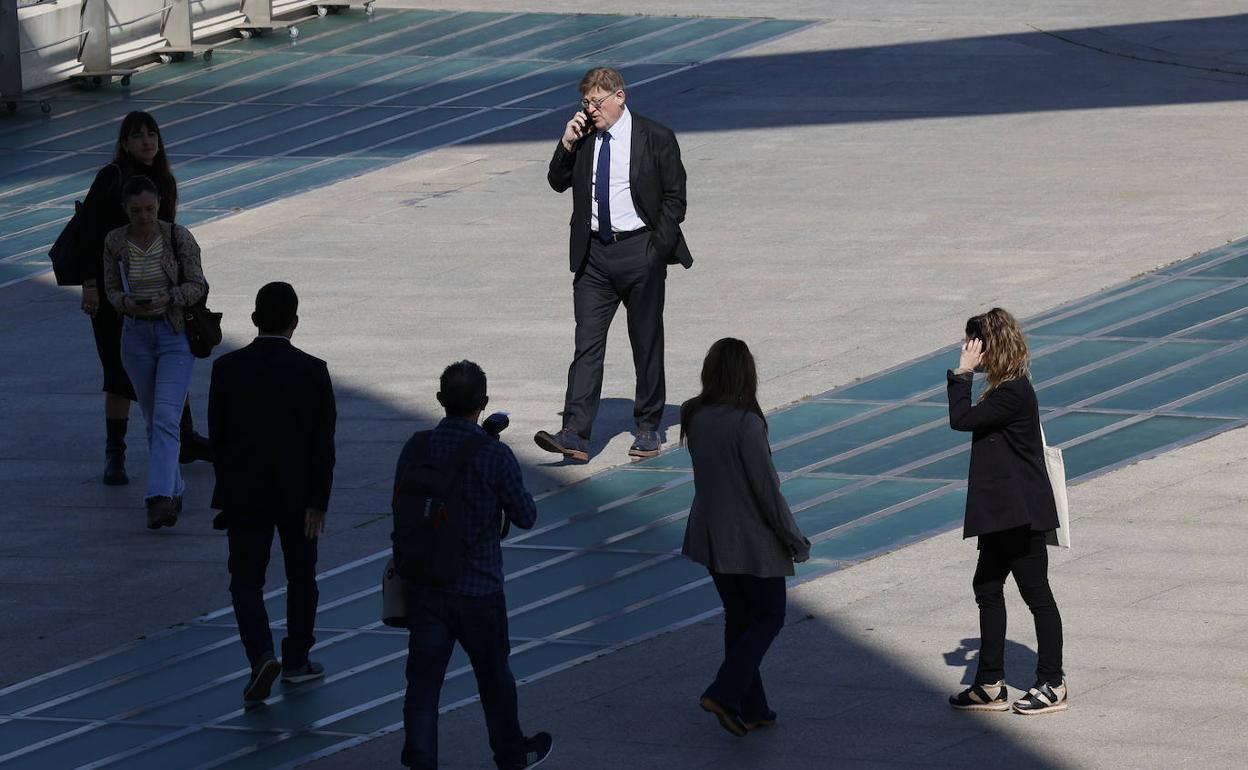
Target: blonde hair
1005	350
606	78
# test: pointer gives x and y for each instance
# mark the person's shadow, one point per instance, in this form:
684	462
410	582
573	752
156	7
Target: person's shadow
615	416
1020	662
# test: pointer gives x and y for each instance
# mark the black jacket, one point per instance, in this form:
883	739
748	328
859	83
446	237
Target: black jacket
102	212
656	178
1008	486
271	419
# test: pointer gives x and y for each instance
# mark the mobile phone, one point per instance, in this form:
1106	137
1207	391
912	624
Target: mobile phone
589	126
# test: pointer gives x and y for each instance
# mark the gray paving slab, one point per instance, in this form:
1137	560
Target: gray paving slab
855	191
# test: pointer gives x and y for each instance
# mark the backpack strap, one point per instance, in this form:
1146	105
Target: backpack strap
462	456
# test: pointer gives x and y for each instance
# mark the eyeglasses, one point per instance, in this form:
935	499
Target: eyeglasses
595	103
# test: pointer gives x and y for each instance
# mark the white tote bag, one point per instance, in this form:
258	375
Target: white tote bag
1056	467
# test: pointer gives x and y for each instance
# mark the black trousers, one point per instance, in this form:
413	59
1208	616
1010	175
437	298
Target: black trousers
1022	553
753	616
250	545
623	272
106	327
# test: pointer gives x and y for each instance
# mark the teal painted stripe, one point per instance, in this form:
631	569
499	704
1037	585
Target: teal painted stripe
736	40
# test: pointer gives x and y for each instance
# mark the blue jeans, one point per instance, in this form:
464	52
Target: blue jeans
158	362
437	619
753	616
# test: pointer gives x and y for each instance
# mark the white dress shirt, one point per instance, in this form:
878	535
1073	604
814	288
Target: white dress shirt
623	216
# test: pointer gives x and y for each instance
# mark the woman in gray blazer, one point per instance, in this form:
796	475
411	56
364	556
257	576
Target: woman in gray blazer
740	528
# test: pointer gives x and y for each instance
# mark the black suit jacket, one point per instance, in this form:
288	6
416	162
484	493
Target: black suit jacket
271	418
1009	486
656	178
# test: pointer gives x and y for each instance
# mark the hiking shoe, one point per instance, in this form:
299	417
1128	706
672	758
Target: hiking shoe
727	719
305	673
566	442
261	682
982	697
160	512
1042	698
766	721
537	750
646	444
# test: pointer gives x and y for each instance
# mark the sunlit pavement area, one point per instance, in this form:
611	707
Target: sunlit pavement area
857	187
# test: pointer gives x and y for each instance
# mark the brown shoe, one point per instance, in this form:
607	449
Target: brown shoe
160	513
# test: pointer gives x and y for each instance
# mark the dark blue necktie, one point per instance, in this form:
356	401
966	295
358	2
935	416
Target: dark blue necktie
602	188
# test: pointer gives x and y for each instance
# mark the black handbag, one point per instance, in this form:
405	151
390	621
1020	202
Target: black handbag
203	327
64	252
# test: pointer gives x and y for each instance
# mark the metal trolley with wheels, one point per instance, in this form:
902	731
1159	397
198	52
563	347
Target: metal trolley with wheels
260	20
177	30
11	93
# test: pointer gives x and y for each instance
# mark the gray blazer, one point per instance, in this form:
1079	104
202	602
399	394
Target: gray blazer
739	523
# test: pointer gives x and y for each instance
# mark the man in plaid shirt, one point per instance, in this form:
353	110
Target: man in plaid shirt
472	610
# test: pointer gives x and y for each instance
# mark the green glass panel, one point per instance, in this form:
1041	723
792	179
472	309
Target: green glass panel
1236	267
616	595
347	80
184	751
1070	426
655	617
25	732
1059	362
629	27
809	416
336	122
304	179
355	36
1189	315
1121	372
103	135
676	458
245	172
1115	311
565	29
1225	250
417	36
557	98
1138	439
898	453
1232	401
1182	383
389	133
597	491
414	86
287	749
733	41
953	468
514	92
448	81
661	43
910	380
862	502
595	529
582	570
832	443
516	558
149	652
86	747
894	530
1232	330
450	46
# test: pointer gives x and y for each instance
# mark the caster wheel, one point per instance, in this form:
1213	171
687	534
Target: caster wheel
208	55
293	32
322	11
179	56
10	106
369	9
245	34
166	58
125	81
45	107
97	81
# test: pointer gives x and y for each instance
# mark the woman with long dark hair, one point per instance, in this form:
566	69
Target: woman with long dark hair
740	528
140	150
1010	508
152	274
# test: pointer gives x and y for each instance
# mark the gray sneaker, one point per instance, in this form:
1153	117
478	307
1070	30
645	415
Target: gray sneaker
646	444
305	673
261	682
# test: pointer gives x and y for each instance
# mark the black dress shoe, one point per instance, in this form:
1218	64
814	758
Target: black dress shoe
194	447
566	442
727	719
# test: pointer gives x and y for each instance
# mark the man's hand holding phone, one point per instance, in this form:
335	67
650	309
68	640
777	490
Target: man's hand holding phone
578	127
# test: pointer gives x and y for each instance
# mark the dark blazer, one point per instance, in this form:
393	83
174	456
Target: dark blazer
1008	486
739	523
656	178
271	419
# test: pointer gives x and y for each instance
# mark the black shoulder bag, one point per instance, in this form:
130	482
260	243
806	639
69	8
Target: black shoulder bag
203	327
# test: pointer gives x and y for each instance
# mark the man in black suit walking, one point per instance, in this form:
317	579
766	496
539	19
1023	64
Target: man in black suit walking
271	417
628	200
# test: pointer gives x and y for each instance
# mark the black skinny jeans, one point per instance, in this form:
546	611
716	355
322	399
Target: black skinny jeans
1022	553
753	616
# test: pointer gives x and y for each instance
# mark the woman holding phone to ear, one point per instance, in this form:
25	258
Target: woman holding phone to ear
1010	508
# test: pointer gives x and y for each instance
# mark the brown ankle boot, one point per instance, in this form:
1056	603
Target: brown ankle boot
160	512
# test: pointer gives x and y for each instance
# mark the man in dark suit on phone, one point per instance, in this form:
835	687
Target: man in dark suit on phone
271	415
628	200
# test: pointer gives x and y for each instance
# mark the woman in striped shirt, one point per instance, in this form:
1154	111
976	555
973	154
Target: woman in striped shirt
152	274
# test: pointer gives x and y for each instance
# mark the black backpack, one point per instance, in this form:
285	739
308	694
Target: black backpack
430	535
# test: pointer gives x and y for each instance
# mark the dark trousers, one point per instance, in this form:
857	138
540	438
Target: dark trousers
437	620
1022	553
624	272
753	615
250	545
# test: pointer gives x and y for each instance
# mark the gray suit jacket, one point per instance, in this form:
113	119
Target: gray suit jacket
739	523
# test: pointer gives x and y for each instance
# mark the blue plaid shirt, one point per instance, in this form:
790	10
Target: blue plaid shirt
492	482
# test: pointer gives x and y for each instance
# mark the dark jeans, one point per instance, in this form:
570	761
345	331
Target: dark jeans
623	272
1022	553
250	544
437	620
753	615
